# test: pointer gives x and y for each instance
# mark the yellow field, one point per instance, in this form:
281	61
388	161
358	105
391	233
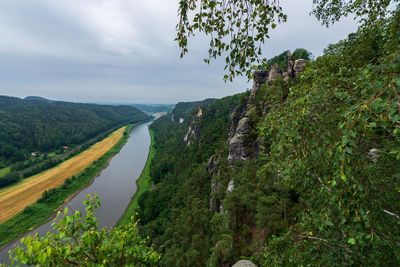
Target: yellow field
14	199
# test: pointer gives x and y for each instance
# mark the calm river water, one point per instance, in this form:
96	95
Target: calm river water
115	185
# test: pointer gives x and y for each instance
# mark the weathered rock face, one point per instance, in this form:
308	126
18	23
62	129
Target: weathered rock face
259	77
212	166
290	66
195	128
244	263
274	73
193	132
230	187
237	149
293	69
285	76
200	112
236	144
234	119
243	126
243	144
299	66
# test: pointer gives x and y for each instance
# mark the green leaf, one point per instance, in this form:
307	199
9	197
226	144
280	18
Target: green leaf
351	241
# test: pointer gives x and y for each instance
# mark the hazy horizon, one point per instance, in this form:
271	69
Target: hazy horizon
124	51
96	102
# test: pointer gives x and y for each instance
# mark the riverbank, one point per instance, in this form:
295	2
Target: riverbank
143	184
40	212
53	159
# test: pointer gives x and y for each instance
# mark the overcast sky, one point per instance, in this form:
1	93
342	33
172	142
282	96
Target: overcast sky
124	50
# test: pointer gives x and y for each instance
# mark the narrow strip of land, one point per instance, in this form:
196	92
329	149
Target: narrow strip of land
14	199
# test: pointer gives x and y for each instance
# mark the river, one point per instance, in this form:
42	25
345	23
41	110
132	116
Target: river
115	185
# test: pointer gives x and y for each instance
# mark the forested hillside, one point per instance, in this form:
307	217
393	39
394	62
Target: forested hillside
183	109
304	172
39	125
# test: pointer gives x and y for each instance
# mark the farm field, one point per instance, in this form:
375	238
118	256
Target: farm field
14	199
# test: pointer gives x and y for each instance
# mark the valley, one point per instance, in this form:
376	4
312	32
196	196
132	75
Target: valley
15	198
115	185
284	152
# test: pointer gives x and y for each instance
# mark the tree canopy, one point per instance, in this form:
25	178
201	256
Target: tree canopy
238	28
79	241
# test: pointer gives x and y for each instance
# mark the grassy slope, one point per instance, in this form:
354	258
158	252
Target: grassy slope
4	171
143	184
40	212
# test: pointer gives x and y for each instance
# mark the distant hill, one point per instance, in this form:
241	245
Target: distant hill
154	108
43	125
38	98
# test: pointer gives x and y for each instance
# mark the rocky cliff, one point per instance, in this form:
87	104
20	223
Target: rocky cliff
292	70
194	130
243	144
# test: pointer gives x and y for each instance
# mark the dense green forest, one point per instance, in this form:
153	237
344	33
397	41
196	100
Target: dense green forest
42	125
183	109
319	185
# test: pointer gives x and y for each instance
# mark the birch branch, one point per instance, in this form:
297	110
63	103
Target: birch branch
392	214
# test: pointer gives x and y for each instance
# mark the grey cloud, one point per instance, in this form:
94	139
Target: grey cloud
123	51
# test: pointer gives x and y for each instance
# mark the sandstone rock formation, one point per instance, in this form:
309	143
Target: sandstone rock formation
274	73
236	142
290	66
293	69
259	77
195	128
239	126
285	76
230	187
299	66
244	263
193	132
289	73
212	166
